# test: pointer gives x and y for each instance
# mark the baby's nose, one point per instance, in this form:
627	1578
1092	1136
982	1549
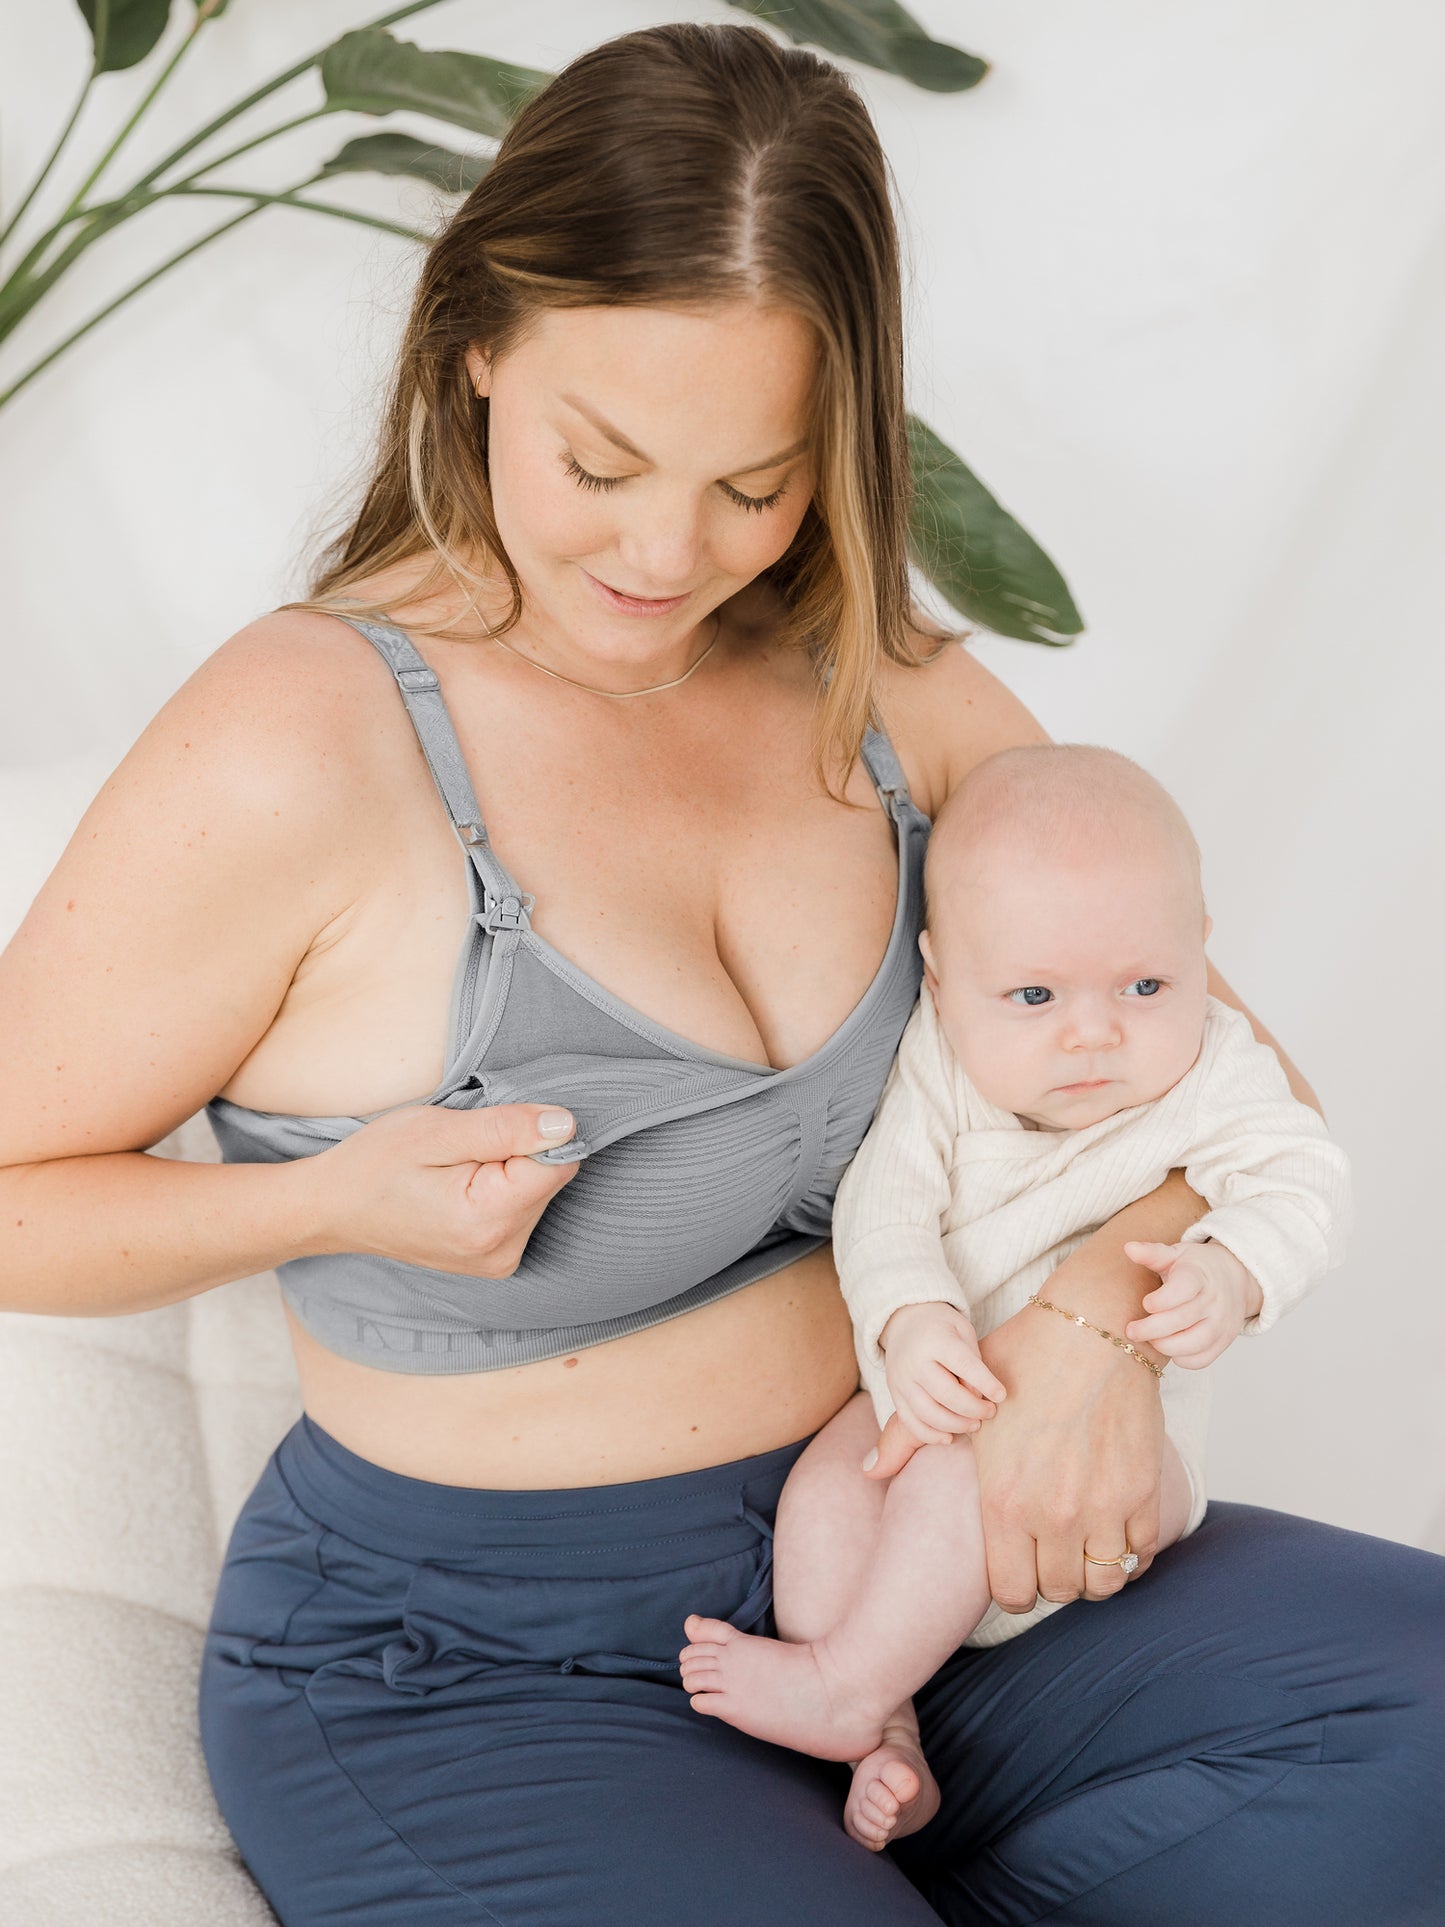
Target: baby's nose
1097	1030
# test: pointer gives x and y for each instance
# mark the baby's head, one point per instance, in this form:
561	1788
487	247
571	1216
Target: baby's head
1066	932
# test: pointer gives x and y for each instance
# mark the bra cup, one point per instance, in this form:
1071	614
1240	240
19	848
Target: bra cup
608	1096
647	1217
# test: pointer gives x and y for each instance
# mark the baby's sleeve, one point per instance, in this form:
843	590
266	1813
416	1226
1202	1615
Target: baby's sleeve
1277	1184
887	1218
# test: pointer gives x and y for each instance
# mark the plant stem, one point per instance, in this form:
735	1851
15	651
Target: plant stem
299	120
12	295
291	73
290	198
50	160
204	10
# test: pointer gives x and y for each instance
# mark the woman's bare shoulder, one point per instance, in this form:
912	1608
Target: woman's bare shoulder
230	835
325	664
946	715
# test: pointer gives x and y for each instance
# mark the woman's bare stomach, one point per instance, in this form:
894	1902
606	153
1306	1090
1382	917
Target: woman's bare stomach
762	1367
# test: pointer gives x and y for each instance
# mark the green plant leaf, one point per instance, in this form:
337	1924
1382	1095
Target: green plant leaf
370	72
879	33
132	29
971	548
441	167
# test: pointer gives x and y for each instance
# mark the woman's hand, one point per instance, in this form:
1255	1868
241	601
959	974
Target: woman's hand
1071	1463
454	1190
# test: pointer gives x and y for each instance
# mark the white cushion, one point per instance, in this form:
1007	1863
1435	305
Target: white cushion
129	1445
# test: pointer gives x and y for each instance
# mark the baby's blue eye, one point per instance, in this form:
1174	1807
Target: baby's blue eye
1032	994
1146	986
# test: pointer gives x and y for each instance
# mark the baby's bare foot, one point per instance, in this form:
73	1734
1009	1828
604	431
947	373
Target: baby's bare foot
893	1793
779	1691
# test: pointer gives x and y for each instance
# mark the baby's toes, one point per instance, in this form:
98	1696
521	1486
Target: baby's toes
876	1819
868	1824
700	1650
879	1804
898	1781
718	1631
867	1834
699	1673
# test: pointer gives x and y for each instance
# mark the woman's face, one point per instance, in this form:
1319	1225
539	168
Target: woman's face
655	452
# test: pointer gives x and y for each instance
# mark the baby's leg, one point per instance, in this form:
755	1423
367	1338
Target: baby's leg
909	1605
827	1525
826	1532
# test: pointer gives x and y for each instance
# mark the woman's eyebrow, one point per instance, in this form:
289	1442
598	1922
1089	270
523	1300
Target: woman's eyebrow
616	435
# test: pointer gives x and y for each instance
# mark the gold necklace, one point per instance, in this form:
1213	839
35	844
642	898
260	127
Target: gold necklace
617	695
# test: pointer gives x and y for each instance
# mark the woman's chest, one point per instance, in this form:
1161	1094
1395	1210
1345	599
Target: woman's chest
701	877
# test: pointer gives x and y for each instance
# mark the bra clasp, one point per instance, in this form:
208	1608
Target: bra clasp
505	913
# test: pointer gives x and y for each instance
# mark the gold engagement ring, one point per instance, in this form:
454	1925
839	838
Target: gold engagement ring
1128	1560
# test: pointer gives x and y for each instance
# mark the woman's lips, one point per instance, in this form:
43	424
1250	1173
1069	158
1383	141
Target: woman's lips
635	605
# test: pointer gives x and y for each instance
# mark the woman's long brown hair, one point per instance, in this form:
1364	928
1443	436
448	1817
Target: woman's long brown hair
683	163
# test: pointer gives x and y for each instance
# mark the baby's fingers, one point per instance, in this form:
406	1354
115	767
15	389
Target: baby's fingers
929	1421
953	1396
1153	1256
963	1362
1164	1324
1195	1348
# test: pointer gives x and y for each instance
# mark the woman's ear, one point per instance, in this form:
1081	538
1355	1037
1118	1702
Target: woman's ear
479	369
1208	925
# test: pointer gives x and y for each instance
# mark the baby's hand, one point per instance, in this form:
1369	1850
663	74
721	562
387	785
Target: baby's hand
1200	1307
939	1384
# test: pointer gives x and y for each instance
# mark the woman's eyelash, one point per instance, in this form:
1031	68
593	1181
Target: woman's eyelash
587	480
579	474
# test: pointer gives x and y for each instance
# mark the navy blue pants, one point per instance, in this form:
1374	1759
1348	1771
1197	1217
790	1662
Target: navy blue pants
425	1705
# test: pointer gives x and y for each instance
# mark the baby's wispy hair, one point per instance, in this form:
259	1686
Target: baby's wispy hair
1054	800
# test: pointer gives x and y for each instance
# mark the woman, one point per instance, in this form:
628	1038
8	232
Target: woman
628	588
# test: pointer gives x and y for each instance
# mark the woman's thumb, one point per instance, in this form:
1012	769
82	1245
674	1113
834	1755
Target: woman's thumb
501	1131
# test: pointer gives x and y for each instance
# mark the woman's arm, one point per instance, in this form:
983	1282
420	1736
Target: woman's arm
154	957
1217	987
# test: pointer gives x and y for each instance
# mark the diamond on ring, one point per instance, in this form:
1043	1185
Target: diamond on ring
1129	1564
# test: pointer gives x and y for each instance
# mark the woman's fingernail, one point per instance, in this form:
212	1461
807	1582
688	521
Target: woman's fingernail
871	1460
555	1124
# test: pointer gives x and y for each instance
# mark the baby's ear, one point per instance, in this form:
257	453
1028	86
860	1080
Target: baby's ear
1208	925
930	975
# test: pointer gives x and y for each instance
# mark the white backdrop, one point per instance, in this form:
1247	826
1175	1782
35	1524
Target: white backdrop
1178	281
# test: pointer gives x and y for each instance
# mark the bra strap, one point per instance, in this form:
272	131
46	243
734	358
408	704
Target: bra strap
881	760
505	905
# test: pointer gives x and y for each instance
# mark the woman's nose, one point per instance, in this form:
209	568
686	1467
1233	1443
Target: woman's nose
660	550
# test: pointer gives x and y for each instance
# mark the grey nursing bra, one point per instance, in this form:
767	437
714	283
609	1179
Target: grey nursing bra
699	1173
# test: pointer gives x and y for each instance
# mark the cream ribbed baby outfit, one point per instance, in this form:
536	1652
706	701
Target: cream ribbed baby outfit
951	1199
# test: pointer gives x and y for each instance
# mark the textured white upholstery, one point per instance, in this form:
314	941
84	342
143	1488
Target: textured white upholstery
128	1445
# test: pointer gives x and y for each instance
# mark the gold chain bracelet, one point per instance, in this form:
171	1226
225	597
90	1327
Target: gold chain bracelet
1123	1343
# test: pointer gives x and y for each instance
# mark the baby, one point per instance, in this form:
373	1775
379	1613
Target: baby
1064	1055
